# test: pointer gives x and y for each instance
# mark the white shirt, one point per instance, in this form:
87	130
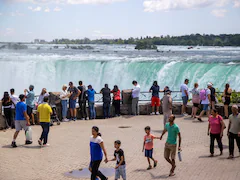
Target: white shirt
136	91
15	100
63	94
206	101
183	88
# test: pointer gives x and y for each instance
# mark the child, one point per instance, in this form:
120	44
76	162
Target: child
120	169
148	146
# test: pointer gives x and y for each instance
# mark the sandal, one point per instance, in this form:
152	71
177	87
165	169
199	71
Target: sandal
149	167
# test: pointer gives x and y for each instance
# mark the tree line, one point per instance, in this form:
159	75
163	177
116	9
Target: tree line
186	40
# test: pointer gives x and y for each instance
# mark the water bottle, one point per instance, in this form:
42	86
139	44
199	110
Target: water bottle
179	156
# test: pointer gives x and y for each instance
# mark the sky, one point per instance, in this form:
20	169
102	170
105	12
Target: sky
26	20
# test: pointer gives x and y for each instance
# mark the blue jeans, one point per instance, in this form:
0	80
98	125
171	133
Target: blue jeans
45	127
92	110
106	110
64	108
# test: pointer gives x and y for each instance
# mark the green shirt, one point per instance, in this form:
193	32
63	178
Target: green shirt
172	133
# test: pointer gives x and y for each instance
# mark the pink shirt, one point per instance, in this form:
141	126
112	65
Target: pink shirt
148	141
215	124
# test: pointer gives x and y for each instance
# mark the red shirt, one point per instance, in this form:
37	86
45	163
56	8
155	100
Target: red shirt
116	95
215	124
148	141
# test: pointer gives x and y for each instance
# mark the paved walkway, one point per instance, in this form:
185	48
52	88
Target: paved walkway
69	150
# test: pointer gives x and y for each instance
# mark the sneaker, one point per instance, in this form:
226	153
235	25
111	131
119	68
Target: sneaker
153	113
65	120
46	145
14	144
157	113
28	142
86	118
185	114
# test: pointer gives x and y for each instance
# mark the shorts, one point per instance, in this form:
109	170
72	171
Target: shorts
195	104
72	104
121	171
21	124
185	100
29	111
205	107
155	101
227	101
148	153
170	150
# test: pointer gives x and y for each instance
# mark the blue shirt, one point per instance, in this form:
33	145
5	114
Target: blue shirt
172	133
91	93
183	88
95	148
30	99
21	107
155	91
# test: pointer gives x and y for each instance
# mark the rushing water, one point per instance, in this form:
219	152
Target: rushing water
118	64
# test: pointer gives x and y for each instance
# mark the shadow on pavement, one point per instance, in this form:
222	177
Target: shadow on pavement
10	147
165	176
140	170
33	147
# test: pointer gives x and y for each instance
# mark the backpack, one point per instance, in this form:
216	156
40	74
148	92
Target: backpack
203	94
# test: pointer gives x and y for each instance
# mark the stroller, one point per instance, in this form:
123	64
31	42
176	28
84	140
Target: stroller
53	101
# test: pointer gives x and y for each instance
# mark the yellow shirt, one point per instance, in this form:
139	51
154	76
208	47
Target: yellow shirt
44	111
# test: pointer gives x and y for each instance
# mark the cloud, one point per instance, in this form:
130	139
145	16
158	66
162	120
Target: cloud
70	1
37	9
16	13
47	9
219	12
98	34
57	9
9	31
168	5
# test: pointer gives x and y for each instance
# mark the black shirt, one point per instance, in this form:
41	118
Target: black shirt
118	154
82	95
106	95
212	89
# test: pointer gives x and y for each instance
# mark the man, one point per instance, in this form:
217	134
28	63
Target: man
44	112
213	96
91	99
72	100
234	131
185	96
15	100
82	100
171	144
22	120
205	102
166	106
106	92
135	98
155	89
30	95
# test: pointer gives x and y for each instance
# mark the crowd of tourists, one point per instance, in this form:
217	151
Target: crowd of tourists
19	114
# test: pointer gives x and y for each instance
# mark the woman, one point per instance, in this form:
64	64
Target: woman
227	97
195	100
42	95
216	127
116	100
96	148
7	104
64	95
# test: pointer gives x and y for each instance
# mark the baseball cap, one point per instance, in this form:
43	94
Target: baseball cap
209	84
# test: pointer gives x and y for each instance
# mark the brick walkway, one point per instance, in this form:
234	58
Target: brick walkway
69	150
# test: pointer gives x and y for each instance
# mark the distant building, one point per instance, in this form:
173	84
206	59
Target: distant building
36	41
42	41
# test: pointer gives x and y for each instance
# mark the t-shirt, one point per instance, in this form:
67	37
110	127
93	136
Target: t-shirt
183	88
118	154
82	95
235	124
95	148
215	124
91	93
41	97
44	112
15	100
21	107
136	91
74	92
206	101
30	99
195	96
63	95
148	142
155	91
172	133
166	103
212	89
106	92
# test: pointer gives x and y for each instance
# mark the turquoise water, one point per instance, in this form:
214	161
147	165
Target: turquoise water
118	65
